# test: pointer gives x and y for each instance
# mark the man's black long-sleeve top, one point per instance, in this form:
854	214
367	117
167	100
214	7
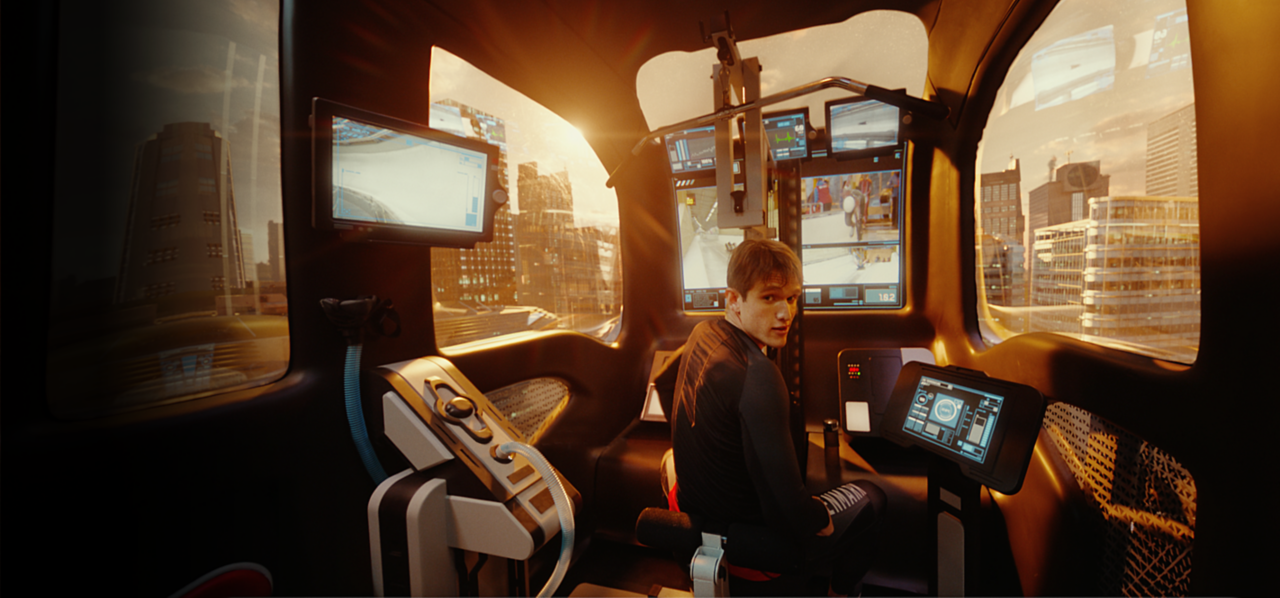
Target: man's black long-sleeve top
735	461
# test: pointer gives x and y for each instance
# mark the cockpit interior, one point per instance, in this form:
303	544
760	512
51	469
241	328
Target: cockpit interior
386	298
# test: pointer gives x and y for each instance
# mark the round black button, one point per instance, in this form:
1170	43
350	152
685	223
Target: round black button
460	407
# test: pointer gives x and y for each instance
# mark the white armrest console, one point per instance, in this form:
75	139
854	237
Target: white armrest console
446	428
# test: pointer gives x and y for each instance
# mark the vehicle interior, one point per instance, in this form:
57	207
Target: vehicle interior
172	442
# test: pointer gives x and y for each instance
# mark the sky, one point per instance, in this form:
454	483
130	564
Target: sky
534	134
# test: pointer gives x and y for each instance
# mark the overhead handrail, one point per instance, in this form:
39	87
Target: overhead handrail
935	110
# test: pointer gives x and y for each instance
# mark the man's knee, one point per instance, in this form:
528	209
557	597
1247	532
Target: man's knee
876	498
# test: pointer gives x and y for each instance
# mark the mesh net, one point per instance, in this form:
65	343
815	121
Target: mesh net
531	405
1146	499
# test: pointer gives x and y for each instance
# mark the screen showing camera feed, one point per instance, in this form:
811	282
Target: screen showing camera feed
692	150
704	250
850	238
959	419
787	135
861	125
385	176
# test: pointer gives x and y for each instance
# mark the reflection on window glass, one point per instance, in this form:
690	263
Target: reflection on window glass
168	262
554	261
1087	197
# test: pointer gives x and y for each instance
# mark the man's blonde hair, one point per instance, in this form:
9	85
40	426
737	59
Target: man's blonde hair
762	260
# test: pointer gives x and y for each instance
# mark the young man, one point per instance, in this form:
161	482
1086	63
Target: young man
735	462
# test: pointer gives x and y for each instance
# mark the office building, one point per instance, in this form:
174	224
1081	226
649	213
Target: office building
182	239
1171	155
1142	273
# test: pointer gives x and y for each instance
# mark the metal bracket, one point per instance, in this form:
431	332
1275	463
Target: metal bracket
708	569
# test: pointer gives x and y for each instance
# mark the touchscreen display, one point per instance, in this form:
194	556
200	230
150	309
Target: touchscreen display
692	149
959	419
381	175
787	134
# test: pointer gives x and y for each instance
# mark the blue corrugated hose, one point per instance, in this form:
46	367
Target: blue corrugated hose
355	416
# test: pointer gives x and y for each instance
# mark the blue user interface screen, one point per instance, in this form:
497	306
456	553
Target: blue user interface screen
385	176
787	136
692	149
959	419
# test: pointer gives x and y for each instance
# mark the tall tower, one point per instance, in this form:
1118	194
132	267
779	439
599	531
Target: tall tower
547	239
1001	245
275	250
1171	155
1000	205
486	274
181	236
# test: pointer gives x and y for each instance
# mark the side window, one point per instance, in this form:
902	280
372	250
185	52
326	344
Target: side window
554	262
168	252
1087	199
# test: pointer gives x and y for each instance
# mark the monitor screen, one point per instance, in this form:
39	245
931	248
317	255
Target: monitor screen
704	248
851	236
859	126
393	180
984	425
954	417
788	134
692	149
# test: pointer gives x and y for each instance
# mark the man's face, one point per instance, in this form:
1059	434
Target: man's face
766	312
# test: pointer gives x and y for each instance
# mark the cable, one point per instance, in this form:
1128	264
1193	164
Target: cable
564	508
355	415
352	317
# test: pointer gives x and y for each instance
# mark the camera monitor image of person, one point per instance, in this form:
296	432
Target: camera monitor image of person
986	426
788	133
859	126
851	234
386	179
704	247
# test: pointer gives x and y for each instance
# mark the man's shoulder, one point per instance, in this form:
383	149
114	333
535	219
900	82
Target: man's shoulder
713	354
719	336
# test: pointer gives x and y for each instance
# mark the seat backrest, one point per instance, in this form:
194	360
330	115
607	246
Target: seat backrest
665	381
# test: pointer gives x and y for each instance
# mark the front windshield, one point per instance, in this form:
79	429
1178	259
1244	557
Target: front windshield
884	48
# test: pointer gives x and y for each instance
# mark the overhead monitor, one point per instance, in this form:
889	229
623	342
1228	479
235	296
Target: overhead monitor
859	126
986	426
692	149
851	234
379	178
788	133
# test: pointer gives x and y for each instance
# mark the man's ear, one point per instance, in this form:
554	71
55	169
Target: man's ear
731	297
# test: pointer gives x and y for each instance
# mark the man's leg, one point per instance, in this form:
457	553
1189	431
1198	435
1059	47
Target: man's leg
855	510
